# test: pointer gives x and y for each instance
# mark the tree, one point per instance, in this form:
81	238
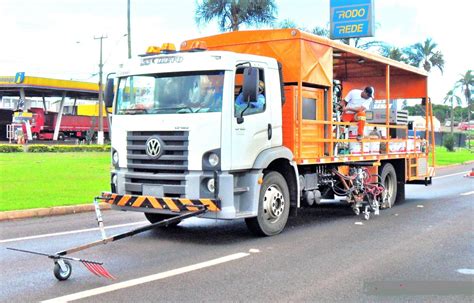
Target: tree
393	52
450	98
233	13
288	23
425	55
320	31
465	83
317	30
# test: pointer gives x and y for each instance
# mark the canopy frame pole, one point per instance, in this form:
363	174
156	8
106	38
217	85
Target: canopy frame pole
60	116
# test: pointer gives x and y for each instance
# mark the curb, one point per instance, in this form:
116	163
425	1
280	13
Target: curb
453	165
52	211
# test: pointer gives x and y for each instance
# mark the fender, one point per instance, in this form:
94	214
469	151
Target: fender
269	155
280	152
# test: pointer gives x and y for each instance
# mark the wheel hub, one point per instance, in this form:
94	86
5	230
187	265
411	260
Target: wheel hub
273	203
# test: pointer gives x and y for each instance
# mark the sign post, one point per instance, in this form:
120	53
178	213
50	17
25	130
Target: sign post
351	18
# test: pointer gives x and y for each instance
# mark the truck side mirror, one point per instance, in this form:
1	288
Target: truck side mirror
109	93
249	89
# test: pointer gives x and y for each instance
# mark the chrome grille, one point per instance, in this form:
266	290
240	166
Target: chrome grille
169	170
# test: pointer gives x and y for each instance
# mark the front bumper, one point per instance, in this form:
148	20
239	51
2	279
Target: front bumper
150	203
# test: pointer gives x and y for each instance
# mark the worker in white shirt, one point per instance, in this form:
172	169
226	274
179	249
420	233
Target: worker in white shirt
353	109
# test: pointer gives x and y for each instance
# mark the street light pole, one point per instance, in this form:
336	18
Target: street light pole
100	133
129	31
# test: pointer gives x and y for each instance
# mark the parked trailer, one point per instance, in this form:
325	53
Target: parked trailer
72	126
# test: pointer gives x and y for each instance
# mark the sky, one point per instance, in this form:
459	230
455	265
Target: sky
55	38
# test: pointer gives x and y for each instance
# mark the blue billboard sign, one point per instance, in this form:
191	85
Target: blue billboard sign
352	18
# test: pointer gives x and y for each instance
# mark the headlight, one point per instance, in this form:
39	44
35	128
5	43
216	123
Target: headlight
211	185
213	159
114	179
115	158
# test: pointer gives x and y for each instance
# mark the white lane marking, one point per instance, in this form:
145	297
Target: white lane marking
468	193
466	271
146	279
451	175
70	232
254	250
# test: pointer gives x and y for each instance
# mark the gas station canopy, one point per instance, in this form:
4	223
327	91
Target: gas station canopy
26	86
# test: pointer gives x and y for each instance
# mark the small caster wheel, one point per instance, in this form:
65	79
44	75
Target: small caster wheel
366	216
62	270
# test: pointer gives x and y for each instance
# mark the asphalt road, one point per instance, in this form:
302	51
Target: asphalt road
418	251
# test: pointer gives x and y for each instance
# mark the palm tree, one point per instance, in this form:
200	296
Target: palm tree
425	55
466	83
450	98
317	30
393	52
320	31
288	23
233	13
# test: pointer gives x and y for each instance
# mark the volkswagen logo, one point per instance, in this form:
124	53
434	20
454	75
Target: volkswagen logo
153	147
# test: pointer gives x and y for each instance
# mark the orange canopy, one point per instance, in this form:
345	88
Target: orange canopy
313	60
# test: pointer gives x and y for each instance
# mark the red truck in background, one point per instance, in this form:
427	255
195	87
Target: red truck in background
72	126
466	125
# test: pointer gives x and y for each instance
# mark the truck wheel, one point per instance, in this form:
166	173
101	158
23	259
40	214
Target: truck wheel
153	218
388	178
273	206
61	137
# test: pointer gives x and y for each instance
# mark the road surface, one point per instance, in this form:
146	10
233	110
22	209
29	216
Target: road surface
421	250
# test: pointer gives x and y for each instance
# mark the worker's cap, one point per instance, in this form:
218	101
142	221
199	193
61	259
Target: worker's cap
261	86
370	91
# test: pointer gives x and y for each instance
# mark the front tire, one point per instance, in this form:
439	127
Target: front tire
273	206
388	178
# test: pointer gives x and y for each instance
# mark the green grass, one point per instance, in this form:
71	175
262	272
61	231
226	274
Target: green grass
443	157
34	180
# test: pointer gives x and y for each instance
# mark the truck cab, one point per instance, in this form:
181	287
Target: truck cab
179	133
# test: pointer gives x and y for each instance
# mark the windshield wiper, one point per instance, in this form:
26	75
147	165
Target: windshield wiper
177	109
133	111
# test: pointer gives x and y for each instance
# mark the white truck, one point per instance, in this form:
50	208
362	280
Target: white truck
180	140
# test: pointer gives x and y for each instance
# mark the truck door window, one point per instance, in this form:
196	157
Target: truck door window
309	109
258	106
176	93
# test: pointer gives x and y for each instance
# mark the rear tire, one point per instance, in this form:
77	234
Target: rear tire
273	206
153	218
388	178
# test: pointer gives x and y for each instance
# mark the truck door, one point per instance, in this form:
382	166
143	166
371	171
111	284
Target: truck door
254	134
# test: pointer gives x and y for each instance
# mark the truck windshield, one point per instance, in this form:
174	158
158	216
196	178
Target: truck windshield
177	93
